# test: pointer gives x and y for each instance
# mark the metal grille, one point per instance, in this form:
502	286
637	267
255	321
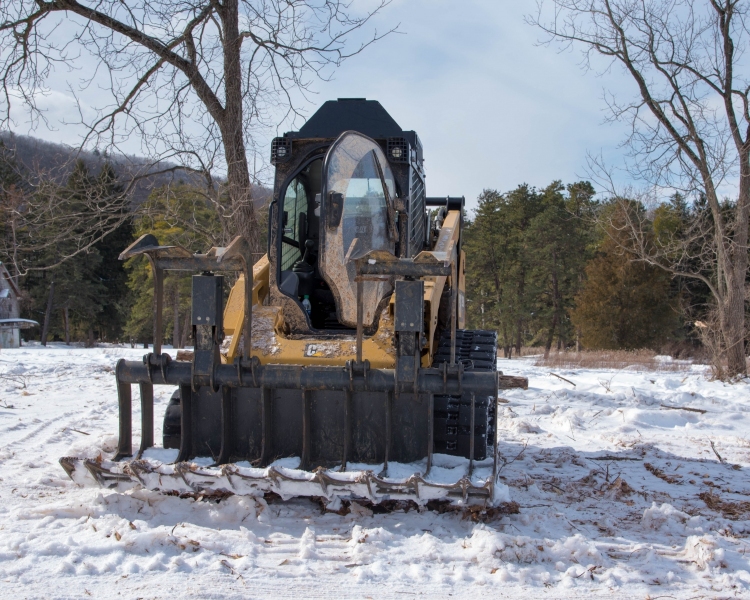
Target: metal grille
416	214
281	150
398	144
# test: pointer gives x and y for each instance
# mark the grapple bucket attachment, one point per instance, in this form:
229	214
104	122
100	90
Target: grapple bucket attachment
333	432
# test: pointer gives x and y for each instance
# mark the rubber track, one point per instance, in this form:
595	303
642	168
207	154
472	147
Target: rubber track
477	350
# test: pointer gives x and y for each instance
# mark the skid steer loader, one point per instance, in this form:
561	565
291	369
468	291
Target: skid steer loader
339	368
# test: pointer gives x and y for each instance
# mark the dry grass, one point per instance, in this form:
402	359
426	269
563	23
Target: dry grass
644	360
525	351
731	510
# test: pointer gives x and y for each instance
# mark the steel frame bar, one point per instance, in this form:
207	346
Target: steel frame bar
227	432
347	427
125	405
266	396
147	417
186	422
471	435
270	377
235	257
306	429
290	377
430	431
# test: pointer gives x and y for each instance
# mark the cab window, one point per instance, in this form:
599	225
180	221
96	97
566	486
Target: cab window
293	220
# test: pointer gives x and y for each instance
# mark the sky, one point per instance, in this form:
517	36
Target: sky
493	108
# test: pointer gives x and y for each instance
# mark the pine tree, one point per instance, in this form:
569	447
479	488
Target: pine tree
624	303
558	239
116	299
498	263
526	250
68	296
12	195
176	216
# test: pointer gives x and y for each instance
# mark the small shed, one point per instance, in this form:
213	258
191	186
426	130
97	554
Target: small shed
10	312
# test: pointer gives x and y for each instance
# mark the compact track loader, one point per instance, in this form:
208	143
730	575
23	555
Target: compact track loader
340	367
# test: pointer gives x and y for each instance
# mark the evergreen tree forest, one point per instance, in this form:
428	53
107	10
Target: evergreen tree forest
84	297
91	296
545	267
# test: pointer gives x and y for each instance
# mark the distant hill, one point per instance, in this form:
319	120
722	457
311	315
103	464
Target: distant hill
57	160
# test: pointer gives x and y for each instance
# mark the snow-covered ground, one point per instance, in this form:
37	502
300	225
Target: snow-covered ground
621	496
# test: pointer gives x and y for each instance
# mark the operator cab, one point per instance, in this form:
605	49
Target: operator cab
341	200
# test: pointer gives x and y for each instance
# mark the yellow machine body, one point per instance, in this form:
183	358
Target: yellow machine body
273	345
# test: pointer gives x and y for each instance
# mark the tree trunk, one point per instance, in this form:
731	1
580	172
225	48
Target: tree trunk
562	338
550	335
736	271
556	301
519	326
186	329
732	328
48	313
66	325
176	310
90	343
244	221
520	307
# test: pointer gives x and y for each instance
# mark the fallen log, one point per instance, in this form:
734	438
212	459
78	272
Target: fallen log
508	382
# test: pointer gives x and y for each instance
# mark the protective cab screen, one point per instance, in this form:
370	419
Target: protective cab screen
358	219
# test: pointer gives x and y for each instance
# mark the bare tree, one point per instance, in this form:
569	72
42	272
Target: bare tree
689	121
39	217
193	80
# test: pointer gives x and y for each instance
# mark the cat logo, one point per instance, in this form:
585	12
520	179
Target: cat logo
312	350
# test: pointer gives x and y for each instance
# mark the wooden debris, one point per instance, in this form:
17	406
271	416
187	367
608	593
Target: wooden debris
721	460
508	382
697	410
563	378
730	510
657	472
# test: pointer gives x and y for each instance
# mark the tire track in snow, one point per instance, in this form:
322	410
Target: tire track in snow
290	550
37	430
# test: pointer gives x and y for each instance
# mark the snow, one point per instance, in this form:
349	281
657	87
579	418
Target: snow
621	495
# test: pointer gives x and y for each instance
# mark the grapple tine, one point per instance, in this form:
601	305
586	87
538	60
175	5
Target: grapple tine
187	478
68	465
147	417
103	476
124	401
